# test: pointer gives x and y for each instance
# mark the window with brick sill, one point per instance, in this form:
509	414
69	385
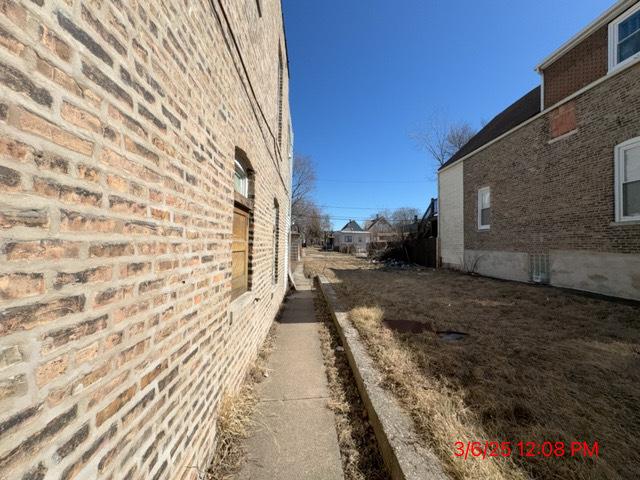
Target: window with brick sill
627	178
242	225
624	38
484	208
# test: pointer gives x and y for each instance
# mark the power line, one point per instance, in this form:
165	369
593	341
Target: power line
358	208
332	217
323	180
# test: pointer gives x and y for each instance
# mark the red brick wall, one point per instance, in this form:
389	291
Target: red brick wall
558	195
580	66
119	122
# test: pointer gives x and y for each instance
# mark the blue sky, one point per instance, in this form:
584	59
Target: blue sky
365	74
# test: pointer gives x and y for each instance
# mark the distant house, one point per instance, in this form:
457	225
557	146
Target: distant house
380	230
549	190
351	238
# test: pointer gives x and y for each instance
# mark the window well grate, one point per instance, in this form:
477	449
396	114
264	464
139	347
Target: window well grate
539	271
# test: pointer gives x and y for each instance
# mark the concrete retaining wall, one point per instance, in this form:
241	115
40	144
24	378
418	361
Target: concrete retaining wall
396	435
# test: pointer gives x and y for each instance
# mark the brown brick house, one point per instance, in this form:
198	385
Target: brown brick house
549	190
144	195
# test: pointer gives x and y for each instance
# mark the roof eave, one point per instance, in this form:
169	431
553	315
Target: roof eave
611	13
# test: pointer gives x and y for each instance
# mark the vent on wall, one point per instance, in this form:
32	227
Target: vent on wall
539	268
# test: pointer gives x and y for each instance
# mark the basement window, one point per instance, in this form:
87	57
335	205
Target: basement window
484	208
624	38
627	175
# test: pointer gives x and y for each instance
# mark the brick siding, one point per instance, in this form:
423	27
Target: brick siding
118	127
582	65
558	195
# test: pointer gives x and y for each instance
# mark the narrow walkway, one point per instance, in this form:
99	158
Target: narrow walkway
295	434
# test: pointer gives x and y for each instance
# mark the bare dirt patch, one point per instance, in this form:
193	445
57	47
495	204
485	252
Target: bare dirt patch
406	326
538	364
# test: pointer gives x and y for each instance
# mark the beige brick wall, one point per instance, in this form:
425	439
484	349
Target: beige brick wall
118	127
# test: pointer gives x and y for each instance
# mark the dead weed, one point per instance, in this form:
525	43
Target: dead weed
538	364
361	459
234	418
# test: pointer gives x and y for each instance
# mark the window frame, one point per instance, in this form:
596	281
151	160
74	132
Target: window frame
238	167
614	40
243	205
619	183
480	225
348	239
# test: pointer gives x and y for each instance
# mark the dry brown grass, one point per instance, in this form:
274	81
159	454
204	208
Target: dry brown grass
234	419
539	364
361	459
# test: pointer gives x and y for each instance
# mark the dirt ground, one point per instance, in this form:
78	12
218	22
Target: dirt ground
495	361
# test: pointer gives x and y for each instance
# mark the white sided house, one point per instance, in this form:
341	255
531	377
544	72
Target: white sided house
351	238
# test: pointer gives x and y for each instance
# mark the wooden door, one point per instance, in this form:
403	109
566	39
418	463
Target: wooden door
240	253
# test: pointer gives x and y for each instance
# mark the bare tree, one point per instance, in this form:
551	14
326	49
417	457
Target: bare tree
398	218
305	214
311	221
441	139
404	216
303	181
458	135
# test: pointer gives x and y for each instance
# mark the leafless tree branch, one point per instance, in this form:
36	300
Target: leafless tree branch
441	139
304	180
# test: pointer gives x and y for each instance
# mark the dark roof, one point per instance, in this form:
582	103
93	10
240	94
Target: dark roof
521	111
368	225
352	226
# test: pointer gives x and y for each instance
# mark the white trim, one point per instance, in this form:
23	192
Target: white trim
610	14
541	91
583	90
618	168
614	40
481	191
562	137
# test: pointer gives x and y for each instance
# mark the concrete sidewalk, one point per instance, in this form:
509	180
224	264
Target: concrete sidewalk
295	435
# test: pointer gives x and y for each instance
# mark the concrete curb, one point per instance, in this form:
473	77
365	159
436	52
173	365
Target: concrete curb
396	435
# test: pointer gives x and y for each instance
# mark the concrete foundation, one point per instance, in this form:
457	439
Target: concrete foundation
612	274
506	265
